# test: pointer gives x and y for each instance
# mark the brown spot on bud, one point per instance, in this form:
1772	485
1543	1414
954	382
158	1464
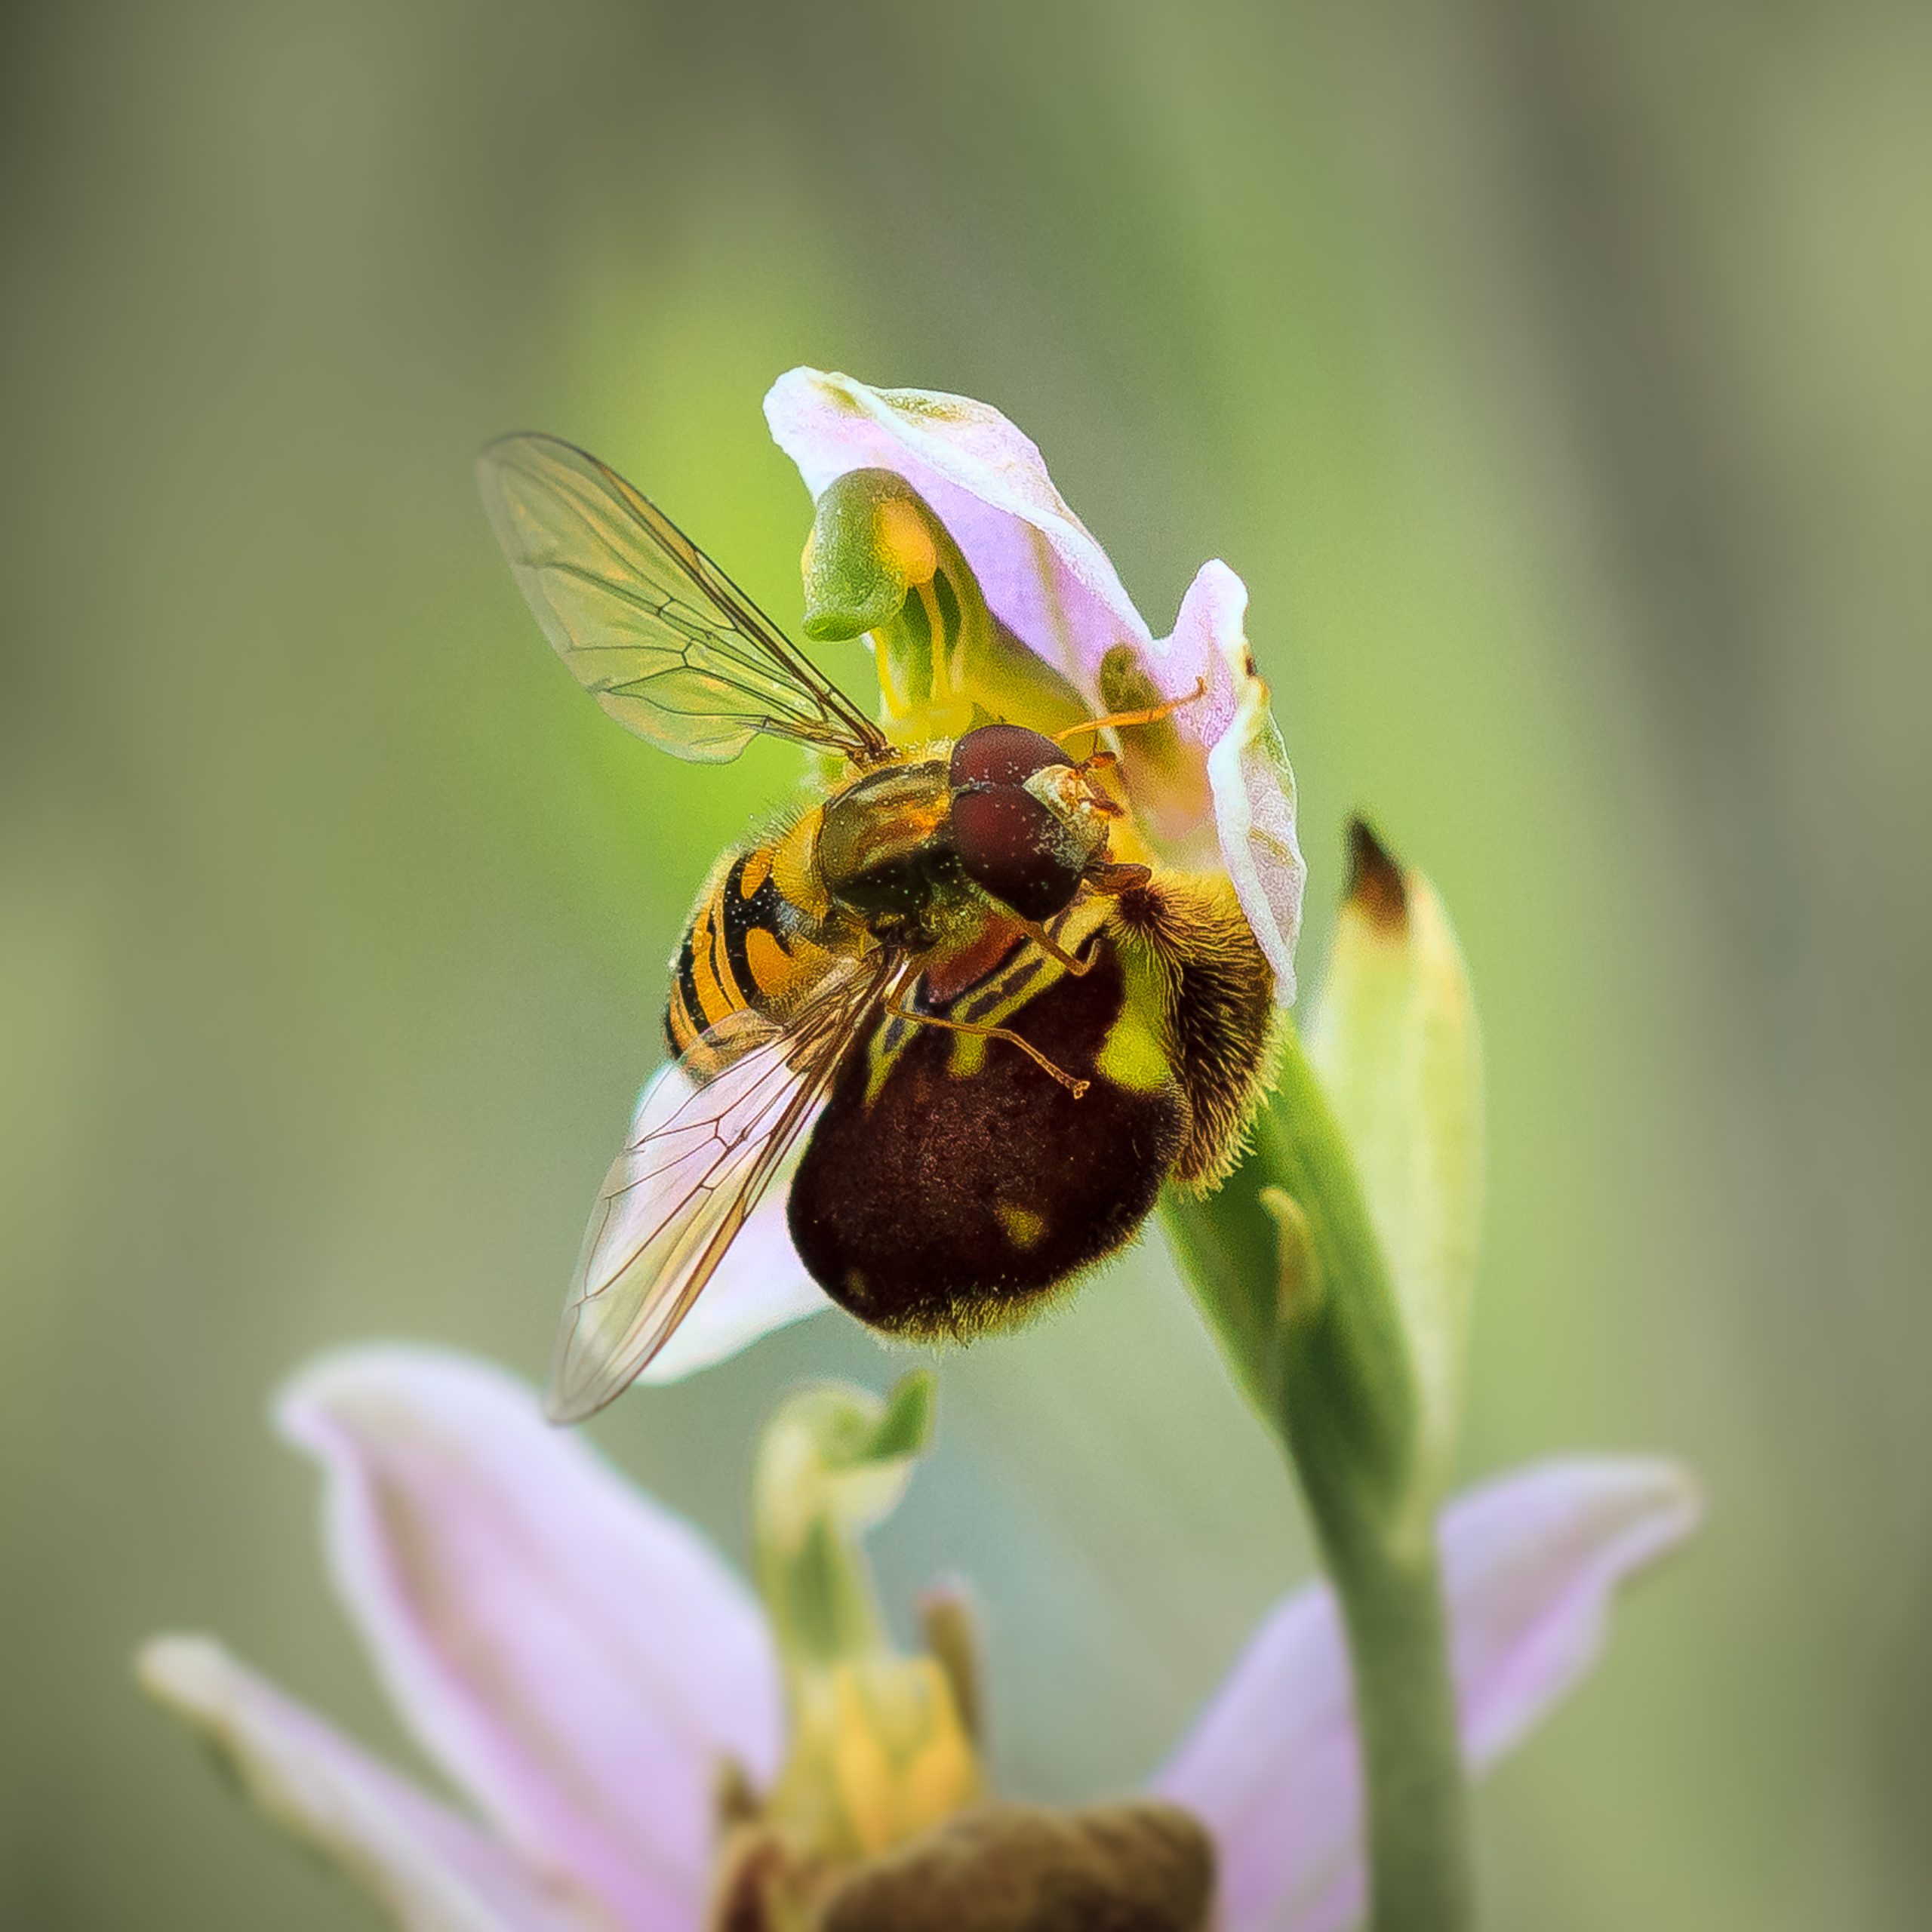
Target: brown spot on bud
1376	887
1140	1867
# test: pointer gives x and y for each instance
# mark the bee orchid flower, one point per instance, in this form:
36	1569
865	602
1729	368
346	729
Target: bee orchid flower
1210	784
941	540
641	1743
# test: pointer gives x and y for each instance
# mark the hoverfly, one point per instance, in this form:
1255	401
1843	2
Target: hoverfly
995	1036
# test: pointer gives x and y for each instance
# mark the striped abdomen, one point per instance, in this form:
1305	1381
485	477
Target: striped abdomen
748	945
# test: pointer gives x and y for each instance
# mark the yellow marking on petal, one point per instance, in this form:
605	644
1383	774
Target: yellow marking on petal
940	688
901	1761
968	1056
897	708
1132	1056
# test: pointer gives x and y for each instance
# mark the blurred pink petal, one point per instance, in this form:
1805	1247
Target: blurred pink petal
1044	576
1531	1562
576	1658
433	1870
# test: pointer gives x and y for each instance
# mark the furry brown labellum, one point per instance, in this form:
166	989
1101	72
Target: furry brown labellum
951	1182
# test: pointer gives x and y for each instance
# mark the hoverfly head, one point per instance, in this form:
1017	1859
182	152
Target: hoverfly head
1027	821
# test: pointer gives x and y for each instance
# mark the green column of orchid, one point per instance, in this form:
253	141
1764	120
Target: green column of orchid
1335	1269
878	562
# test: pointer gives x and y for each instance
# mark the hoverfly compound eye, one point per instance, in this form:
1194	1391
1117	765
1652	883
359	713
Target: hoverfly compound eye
1015	847
1011	841
1002	754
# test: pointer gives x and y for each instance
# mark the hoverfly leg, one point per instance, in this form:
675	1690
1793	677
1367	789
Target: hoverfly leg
1111	878
1052	948
899	1011
1153	715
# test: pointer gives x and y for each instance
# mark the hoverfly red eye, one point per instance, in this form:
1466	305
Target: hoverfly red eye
1002	754
1011	844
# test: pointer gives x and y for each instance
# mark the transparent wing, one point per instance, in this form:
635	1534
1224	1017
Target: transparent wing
663	640
695	1166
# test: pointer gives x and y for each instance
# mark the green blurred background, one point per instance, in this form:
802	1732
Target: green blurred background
1556	374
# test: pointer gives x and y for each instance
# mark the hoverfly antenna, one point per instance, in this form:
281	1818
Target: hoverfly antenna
1153	715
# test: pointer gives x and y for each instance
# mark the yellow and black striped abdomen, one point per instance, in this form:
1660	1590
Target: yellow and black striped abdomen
748	945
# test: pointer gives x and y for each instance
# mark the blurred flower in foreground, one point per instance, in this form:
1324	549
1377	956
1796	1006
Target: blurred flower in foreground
644	1749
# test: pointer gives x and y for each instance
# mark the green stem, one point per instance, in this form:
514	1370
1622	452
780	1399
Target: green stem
1299	1298
1417	1798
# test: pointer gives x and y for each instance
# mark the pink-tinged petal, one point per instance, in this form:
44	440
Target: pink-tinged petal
576	1659
431	1869
1038	564
1530	1563
761	1285
1248	775
1220	774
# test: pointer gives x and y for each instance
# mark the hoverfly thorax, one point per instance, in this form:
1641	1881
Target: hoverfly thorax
885	852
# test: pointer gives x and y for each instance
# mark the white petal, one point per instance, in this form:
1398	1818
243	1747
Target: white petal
1530	1563
1248	774
761	1285
576	1659
432	1870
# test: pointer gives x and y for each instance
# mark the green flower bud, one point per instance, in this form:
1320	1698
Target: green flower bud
1335	1265
1396	1042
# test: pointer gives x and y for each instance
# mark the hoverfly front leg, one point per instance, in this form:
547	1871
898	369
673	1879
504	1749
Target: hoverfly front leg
899	1011
1051	947
1111	878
